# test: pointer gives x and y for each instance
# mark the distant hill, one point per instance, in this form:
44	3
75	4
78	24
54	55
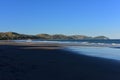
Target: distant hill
14	35
101	37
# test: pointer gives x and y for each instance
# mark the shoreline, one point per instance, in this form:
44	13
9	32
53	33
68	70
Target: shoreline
40	62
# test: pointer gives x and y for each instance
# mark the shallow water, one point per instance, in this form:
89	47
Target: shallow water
104	52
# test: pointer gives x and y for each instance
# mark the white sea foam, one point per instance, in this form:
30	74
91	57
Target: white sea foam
73	43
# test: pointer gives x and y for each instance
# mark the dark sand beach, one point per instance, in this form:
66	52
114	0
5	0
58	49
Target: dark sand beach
50	62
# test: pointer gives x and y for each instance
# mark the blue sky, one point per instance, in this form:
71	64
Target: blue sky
85	17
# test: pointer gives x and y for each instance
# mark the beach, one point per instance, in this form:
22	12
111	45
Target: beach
29	61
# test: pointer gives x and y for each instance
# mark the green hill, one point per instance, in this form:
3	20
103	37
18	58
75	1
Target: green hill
14	35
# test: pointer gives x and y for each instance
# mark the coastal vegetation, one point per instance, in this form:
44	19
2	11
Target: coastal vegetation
17	36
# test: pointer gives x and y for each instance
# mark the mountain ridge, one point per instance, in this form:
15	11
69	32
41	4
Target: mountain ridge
15	35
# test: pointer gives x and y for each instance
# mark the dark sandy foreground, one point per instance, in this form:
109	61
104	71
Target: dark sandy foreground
25	62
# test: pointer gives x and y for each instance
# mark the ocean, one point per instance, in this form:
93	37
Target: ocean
110	42
102	52
109	49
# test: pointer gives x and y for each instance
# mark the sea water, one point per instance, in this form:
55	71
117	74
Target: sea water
109	49
107	43
103	52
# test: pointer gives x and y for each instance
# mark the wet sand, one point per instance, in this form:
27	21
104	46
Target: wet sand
50	62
